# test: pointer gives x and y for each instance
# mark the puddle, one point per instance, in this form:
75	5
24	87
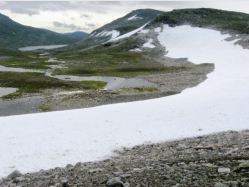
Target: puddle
113	83
20	106
6	91
32	48
3	68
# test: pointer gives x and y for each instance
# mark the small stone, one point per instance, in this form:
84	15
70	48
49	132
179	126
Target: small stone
95	170
181	164
64	183
219	184
137	170
224	170
117	173
210	165
244	165
246	147
125	176
231	151
19	179
115	182
126	184
69	166
14	174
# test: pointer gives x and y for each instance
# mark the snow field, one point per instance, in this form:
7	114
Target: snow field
46	140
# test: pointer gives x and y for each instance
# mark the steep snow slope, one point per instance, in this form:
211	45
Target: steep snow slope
41	141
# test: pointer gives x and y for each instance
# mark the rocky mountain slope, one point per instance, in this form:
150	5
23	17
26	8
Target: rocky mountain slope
120	26
14	35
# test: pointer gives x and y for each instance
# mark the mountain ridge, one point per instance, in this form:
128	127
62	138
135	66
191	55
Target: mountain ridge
14	35
76	34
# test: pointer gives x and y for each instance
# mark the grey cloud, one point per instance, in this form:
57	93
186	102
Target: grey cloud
19	10
52	7
85	16
91	25
71	26
58	24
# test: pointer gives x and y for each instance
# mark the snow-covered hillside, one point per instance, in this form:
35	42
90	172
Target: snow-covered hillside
42	141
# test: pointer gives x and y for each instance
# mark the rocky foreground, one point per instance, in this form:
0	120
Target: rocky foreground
218	160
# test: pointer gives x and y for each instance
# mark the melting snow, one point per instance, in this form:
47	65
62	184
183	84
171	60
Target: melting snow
41	141
158	29
136	49
144	31
149	44
134	17
129	33
114	33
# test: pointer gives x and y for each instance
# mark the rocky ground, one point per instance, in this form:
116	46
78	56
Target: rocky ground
219	160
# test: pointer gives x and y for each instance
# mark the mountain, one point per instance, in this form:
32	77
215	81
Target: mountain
14	35
120	26
227	21
78	34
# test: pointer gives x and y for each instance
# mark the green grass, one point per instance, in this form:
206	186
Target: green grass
20	59
113	59
37	82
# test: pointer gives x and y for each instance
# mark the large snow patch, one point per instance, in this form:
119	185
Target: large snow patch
46	140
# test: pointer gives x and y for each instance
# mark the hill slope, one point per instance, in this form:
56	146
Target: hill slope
206	17
14	35
120	26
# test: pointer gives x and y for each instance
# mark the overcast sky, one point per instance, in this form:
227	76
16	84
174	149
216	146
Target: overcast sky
71	16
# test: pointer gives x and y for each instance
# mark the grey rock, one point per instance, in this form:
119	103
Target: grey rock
95	170
136	170
232	150
125	176
224	170
114	182
64	183
14	174
19	179
244	165
246	147
218	184
126	184
69	166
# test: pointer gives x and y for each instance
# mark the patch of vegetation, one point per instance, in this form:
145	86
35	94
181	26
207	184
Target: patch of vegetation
20	59
93	85
113	59
36	82
44	108
146	89
206	17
